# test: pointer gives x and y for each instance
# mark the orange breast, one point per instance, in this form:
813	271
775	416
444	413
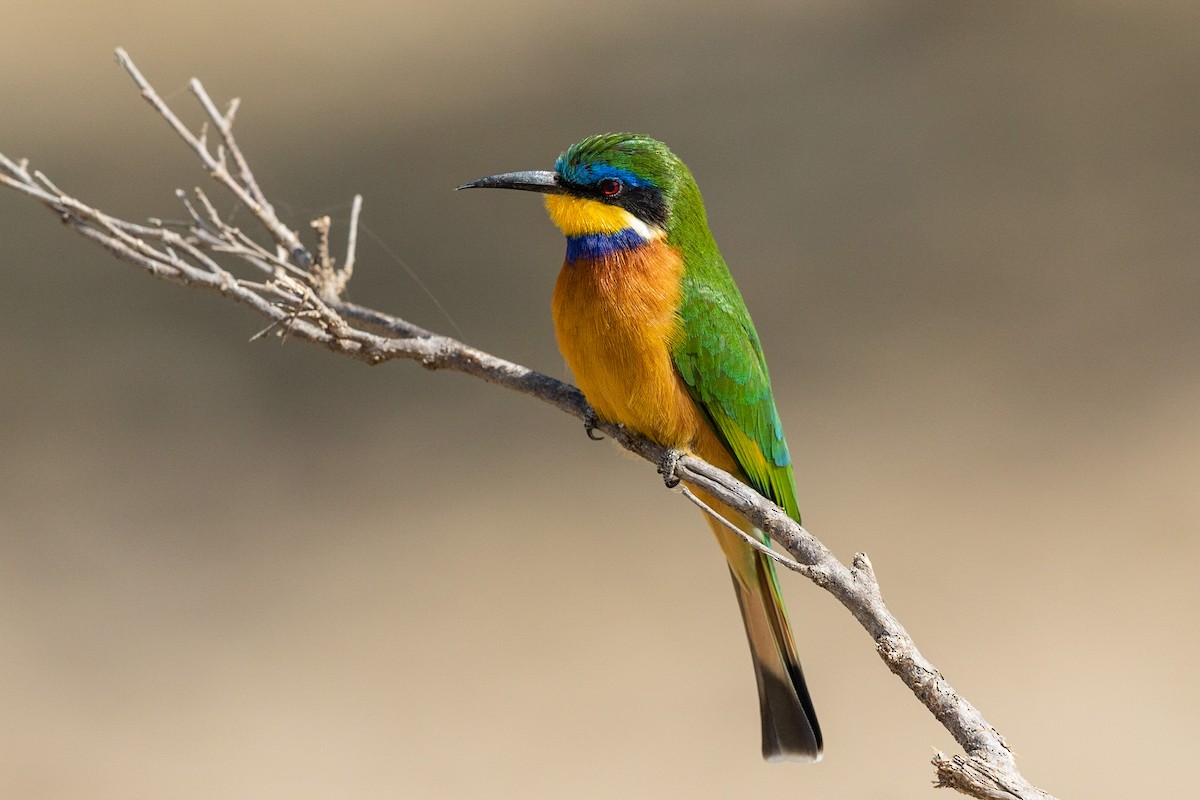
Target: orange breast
616	320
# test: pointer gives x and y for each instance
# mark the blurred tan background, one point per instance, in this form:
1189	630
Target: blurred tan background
968	235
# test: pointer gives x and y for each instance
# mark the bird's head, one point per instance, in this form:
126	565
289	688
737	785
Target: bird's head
609	184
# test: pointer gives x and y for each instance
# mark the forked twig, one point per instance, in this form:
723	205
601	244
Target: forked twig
245	187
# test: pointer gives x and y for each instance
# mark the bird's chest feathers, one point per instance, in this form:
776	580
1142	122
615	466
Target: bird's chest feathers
616	317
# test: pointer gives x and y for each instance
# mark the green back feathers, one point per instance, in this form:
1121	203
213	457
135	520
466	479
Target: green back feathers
721	360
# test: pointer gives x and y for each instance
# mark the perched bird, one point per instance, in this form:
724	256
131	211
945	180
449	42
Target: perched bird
657	335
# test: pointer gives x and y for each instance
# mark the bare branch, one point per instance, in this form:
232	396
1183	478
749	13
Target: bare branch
246	191
977	778
301	296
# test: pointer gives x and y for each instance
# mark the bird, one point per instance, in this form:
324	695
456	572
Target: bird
655	331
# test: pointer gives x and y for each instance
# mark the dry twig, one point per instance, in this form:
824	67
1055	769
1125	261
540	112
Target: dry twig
301	296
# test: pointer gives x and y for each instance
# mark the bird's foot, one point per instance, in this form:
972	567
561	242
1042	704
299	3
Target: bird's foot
668	465
589	425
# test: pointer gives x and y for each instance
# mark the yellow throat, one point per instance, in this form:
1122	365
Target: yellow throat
579	216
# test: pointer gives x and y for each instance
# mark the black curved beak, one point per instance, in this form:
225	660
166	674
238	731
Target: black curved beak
533	180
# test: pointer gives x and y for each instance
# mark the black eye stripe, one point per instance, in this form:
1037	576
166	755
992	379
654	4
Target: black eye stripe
644	202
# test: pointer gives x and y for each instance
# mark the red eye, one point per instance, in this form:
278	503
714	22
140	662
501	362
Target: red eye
610	187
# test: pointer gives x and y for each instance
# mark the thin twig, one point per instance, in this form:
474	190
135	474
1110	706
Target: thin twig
351	244
247	191
778	558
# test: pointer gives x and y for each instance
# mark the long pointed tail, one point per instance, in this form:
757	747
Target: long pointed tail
789	723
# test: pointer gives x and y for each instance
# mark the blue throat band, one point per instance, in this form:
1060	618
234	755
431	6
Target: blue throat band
598	245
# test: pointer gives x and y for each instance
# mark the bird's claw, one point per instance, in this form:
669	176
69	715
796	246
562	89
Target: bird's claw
589	425
667	467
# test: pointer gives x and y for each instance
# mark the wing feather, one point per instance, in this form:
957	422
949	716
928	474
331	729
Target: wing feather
720	358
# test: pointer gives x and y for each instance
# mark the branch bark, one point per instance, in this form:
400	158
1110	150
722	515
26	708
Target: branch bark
299	292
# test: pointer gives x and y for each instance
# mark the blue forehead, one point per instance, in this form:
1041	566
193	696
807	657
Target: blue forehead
594	172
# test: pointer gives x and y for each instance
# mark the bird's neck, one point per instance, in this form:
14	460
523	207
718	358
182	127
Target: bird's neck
597	231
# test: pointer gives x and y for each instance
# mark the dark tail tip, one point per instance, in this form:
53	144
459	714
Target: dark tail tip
790	731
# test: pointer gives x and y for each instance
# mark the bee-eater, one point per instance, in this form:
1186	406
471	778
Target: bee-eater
656	333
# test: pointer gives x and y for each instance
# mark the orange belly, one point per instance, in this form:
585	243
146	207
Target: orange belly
617	321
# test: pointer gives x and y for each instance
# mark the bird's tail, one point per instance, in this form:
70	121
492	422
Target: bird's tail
789	724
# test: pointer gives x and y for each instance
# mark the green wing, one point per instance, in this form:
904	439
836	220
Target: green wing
720	359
